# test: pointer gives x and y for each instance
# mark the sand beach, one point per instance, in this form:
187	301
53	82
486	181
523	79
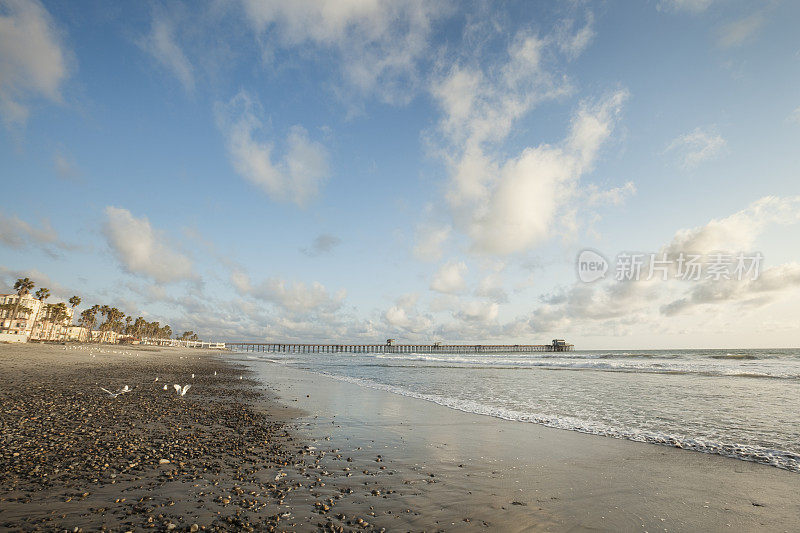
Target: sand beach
255	446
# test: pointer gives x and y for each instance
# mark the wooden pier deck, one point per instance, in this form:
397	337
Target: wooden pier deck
397	348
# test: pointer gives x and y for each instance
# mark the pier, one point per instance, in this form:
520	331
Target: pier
557	345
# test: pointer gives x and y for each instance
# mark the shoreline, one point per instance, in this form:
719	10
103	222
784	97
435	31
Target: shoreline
566	480
263	446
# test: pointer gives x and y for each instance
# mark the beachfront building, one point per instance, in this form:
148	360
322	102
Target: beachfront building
77	334
105	336
50	327
35	320
18	328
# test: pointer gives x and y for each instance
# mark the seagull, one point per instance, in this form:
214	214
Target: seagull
165	387
215	372
181	390
192	376
156	378
123	390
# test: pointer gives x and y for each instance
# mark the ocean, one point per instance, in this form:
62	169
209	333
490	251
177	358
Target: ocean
738	403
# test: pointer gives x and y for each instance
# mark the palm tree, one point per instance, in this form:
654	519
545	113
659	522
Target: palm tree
89	318
105	311
74	302
57	313
23	286
138	325
42	294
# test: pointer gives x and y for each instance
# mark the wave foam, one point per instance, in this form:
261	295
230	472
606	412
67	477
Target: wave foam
778	458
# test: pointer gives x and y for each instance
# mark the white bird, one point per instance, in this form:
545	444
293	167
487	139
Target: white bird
182	390
165	387
156	378
192	376
123	390
215	372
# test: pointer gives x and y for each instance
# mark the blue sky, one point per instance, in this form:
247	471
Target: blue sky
416	170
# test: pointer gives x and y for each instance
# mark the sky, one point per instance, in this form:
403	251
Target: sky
352	171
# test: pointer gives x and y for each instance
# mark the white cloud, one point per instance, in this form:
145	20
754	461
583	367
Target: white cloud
770	284
296	177
615	196
403	317
740	31
161	43
33	61
57	291
379	43
572	44
296	297
480	106
430	242
477	311
696	147
449	279
737	232
642	301
142	250
491	288
18	234
503	221
692	6
491	193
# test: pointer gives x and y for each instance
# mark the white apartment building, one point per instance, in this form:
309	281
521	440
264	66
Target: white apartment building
32	320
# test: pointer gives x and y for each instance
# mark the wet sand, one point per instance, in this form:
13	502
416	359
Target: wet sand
513	476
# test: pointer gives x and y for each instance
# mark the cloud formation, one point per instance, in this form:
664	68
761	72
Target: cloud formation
449	279
691	6
617	301
18	234
430	242
142	250
502	220
33	61
695	147
478	311
295	297
491	193
571	42
162	44
770	284
379	43
404	318
296	177
740	31
738	231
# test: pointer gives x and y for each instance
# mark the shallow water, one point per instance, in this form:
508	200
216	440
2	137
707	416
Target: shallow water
738	403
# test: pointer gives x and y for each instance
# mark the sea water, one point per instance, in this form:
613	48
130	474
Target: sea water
738	403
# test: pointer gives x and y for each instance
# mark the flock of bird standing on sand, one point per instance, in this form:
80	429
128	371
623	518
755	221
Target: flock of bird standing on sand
181	390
